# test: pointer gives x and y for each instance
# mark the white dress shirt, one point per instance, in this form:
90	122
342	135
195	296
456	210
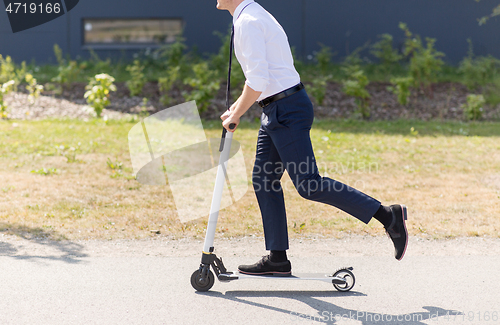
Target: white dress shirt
262	49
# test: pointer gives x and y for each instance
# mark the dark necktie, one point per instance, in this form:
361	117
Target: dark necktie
231	45
228	90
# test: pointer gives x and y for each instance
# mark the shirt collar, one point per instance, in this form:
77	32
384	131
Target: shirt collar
239	9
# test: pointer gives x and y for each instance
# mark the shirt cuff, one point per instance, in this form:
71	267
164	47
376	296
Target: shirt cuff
257	84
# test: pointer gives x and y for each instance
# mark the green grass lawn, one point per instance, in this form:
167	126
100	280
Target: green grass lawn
73	179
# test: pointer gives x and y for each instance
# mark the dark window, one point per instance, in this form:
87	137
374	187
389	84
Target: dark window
155	31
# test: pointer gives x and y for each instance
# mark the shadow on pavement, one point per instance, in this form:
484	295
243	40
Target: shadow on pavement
49	245
329	313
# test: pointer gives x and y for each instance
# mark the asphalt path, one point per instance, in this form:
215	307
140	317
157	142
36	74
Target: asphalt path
147	282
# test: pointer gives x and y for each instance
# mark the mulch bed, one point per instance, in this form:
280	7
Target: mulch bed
443	103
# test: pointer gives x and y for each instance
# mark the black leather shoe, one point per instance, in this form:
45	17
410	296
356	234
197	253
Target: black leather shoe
266	267
397	231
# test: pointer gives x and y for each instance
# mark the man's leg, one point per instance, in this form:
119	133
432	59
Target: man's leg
266	179
289	123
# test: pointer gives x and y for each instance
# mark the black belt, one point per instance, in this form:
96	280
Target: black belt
285	93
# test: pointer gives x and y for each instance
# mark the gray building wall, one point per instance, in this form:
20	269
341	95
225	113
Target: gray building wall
341	24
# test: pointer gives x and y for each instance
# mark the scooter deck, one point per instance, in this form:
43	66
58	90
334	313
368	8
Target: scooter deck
296	276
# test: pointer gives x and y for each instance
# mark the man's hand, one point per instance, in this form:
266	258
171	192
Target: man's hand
228	119
232	116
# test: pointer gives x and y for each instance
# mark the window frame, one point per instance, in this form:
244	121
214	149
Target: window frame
118	46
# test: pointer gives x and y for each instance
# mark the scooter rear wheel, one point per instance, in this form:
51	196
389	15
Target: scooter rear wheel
200	283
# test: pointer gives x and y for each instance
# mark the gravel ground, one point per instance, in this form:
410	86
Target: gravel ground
444	103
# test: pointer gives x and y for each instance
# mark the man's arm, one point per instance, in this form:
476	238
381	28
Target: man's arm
244	102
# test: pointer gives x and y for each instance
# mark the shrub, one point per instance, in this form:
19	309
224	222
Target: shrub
4	90
425	62
320	82
33	88
9	72
137	78
492	92
96	64
401	88
355	86
174	53
97	94
478	71
166	83
204	84
353	59
323	59
473	109
384	51
67	71
7	69
318	88
144	108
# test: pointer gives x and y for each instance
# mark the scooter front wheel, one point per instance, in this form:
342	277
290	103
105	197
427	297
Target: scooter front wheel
200	282
348	277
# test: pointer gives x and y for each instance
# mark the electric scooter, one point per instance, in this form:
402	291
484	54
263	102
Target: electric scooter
203	279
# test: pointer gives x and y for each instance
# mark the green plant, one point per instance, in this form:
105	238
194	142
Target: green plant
425	62
98	90
68	152
45	171
7	69
175	56
137	78
174	53
20	75
323	59
4	90
67	70
116	167
355	86
166	83
478	71
384	51
204	84
492	93
144	108
401	88
495	12
318	88
354	59
96	64
9	72
473	109
33	88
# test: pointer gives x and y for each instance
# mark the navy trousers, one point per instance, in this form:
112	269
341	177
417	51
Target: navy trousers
284	143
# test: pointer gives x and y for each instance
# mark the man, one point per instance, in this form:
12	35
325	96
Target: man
262	49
